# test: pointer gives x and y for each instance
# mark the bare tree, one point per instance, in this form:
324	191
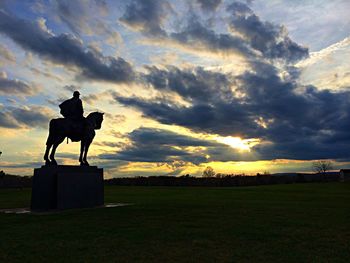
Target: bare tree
208	172
322	166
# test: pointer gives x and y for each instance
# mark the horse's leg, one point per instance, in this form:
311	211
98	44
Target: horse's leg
54	147
82	142
86	149
46	155
49	142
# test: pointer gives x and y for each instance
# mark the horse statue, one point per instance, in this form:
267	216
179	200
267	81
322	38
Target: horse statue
61	128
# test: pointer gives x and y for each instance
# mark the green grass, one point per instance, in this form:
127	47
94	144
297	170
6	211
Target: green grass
279	223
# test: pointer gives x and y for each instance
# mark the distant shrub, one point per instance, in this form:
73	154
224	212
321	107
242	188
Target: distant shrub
208	172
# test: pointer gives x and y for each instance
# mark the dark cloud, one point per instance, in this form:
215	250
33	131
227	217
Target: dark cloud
249	36
65	49
146	16
151	153
64	155
209	5
271	40
192	84
26	117
214	108
111	144
165	137
223	118
176	150
279	111
22	165
15	87
198	36
156	145
7	120
239	9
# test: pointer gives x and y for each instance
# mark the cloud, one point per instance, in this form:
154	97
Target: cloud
165	137
194	84
209	5
84	18
286	117
315	57
176	150
213	106
146	16
158	145
6	54
74	14
16	87
224	118
8	121
271	40
248	36
66	50
197	36
72	88
25	117
327	68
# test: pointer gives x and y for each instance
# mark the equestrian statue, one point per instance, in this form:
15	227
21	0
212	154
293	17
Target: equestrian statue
73	126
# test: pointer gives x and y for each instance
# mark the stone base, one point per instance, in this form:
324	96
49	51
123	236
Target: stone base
66	187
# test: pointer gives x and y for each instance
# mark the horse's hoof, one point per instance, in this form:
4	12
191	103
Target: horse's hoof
53	162
47	162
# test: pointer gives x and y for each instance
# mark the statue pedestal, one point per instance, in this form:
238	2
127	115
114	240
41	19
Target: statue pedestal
66	187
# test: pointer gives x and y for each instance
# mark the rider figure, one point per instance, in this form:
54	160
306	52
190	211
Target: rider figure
72	110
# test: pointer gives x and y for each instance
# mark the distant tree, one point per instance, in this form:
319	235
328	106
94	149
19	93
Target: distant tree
208	172
219	175
322	166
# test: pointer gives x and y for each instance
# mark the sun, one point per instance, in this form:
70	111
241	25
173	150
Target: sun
238	143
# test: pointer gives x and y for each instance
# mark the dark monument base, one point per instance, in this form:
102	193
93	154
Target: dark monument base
66	187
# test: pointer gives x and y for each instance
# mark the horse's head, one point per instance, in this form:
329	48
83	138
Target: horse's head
96	118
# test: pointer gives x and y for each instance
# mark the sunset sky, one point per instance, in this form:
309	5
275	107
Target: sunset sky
242	86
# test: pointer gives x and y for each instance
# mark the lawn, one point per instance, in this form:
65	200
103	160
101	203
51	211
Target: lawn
278	223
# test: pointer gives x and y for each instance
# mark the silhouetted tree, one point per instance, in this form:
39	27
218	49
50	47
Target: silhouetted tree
208	172
219	175
322	166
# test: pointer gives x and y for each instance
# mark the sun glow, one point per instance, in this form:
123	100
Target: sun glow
239	143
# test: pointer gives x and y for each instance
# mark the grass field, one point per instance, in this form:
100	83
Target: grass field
279	223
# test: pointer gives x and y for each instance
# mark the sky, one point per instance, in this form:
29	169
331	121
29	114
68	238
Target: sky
241	86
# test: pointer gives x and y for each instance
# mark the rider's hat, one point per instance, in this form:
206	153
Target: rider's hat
76	93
